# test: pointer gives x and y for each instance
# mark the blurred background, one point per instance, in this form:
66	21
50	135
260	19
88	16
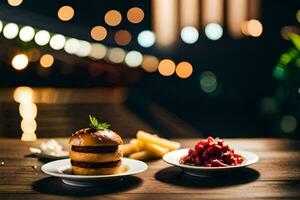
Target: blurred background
179	68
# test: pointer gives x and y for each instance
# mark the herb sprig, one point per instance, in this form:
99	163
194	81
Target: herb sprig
95	124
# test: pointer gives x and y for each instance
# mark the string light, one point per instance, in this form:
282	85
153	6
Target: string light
254	27
184	70
26	33
65	13
98	33
28	110
213	31
135	15
122	37
14	2
116	55
166	67
19	62
57	42
10	30
46	60
150	63
84	48
146	38
1	26
98	51
23	94
113	18
72	45
133	58
42	37
189	34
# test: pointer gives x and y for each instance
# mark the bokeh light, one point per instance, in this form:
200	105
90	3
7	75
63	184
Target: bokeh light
10	30
150	63
113	18
46	60
84	49
65	13
28	110
122	37
189	34
98	33
19	62
166	67
14	2
42	37
33	54
72	45
26	33
116	55
23	94
213	31
298	15
1	26
208	81
184	69
146	38
244	28
28	125
288	123
254	27
135	15
57	42
133	58
98	51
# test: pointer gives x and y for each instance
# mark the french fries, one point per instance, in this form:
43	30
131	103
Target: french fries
146	137
148	146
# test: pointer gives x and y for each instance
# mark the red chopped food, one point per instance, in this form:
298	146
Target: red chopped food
211	152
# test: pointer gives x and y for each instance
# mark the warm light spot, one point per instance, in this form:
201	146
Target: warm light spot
28	125
255	28
46	60
57	42
113	18
116	55
189	34
28	137
10	30
98	33
84	48
28	110
146	38
26	33
72	45
133	58
14	2
65	13
150	63
98	51
184	69
23	94
122	37
166	67
213	31
42	37
19	62
244	28
135	15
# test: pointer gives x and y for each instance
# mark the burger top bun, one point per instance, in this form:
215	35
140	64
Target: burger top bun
92	137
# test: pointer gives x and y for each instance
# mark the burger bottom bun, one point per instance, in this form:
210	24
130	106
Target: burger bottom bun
97	171
96	157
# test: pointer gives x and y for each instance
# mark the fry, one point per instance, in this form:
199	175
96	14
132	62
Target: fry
157	150
148	138
128	149
142	155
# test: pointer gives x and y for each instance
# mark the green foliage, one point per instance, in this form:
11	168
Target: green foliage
95	124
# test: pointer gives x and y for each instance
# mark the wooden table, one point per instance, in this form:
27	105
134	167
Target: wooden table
275	176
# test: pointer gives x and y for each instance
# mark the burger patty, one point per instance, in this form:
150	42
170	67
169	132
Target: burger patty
96	165
95	149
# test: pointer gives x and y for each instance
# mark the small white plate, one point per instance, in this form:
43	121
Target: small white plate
173	157
62	169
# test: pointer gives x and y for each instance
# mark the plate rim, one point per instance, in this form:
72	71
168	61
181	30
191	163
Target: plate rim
72	176
256	159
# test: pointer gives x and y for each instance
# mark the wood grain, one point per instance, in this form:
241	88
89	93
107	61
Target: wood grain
275	176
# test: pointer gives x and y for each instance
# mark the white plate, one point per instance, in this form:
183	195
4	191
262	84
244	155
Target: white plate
62	169
174	156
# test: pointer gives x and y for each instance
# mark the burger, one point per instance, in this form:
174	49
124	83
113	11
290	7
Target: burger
95	150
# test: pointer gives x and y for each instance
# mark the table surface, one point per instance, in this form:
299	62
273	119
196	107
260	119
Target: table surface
275	176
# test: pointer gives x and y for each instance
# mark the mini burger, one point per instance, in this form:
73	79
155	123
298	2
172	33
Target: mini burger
95	150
